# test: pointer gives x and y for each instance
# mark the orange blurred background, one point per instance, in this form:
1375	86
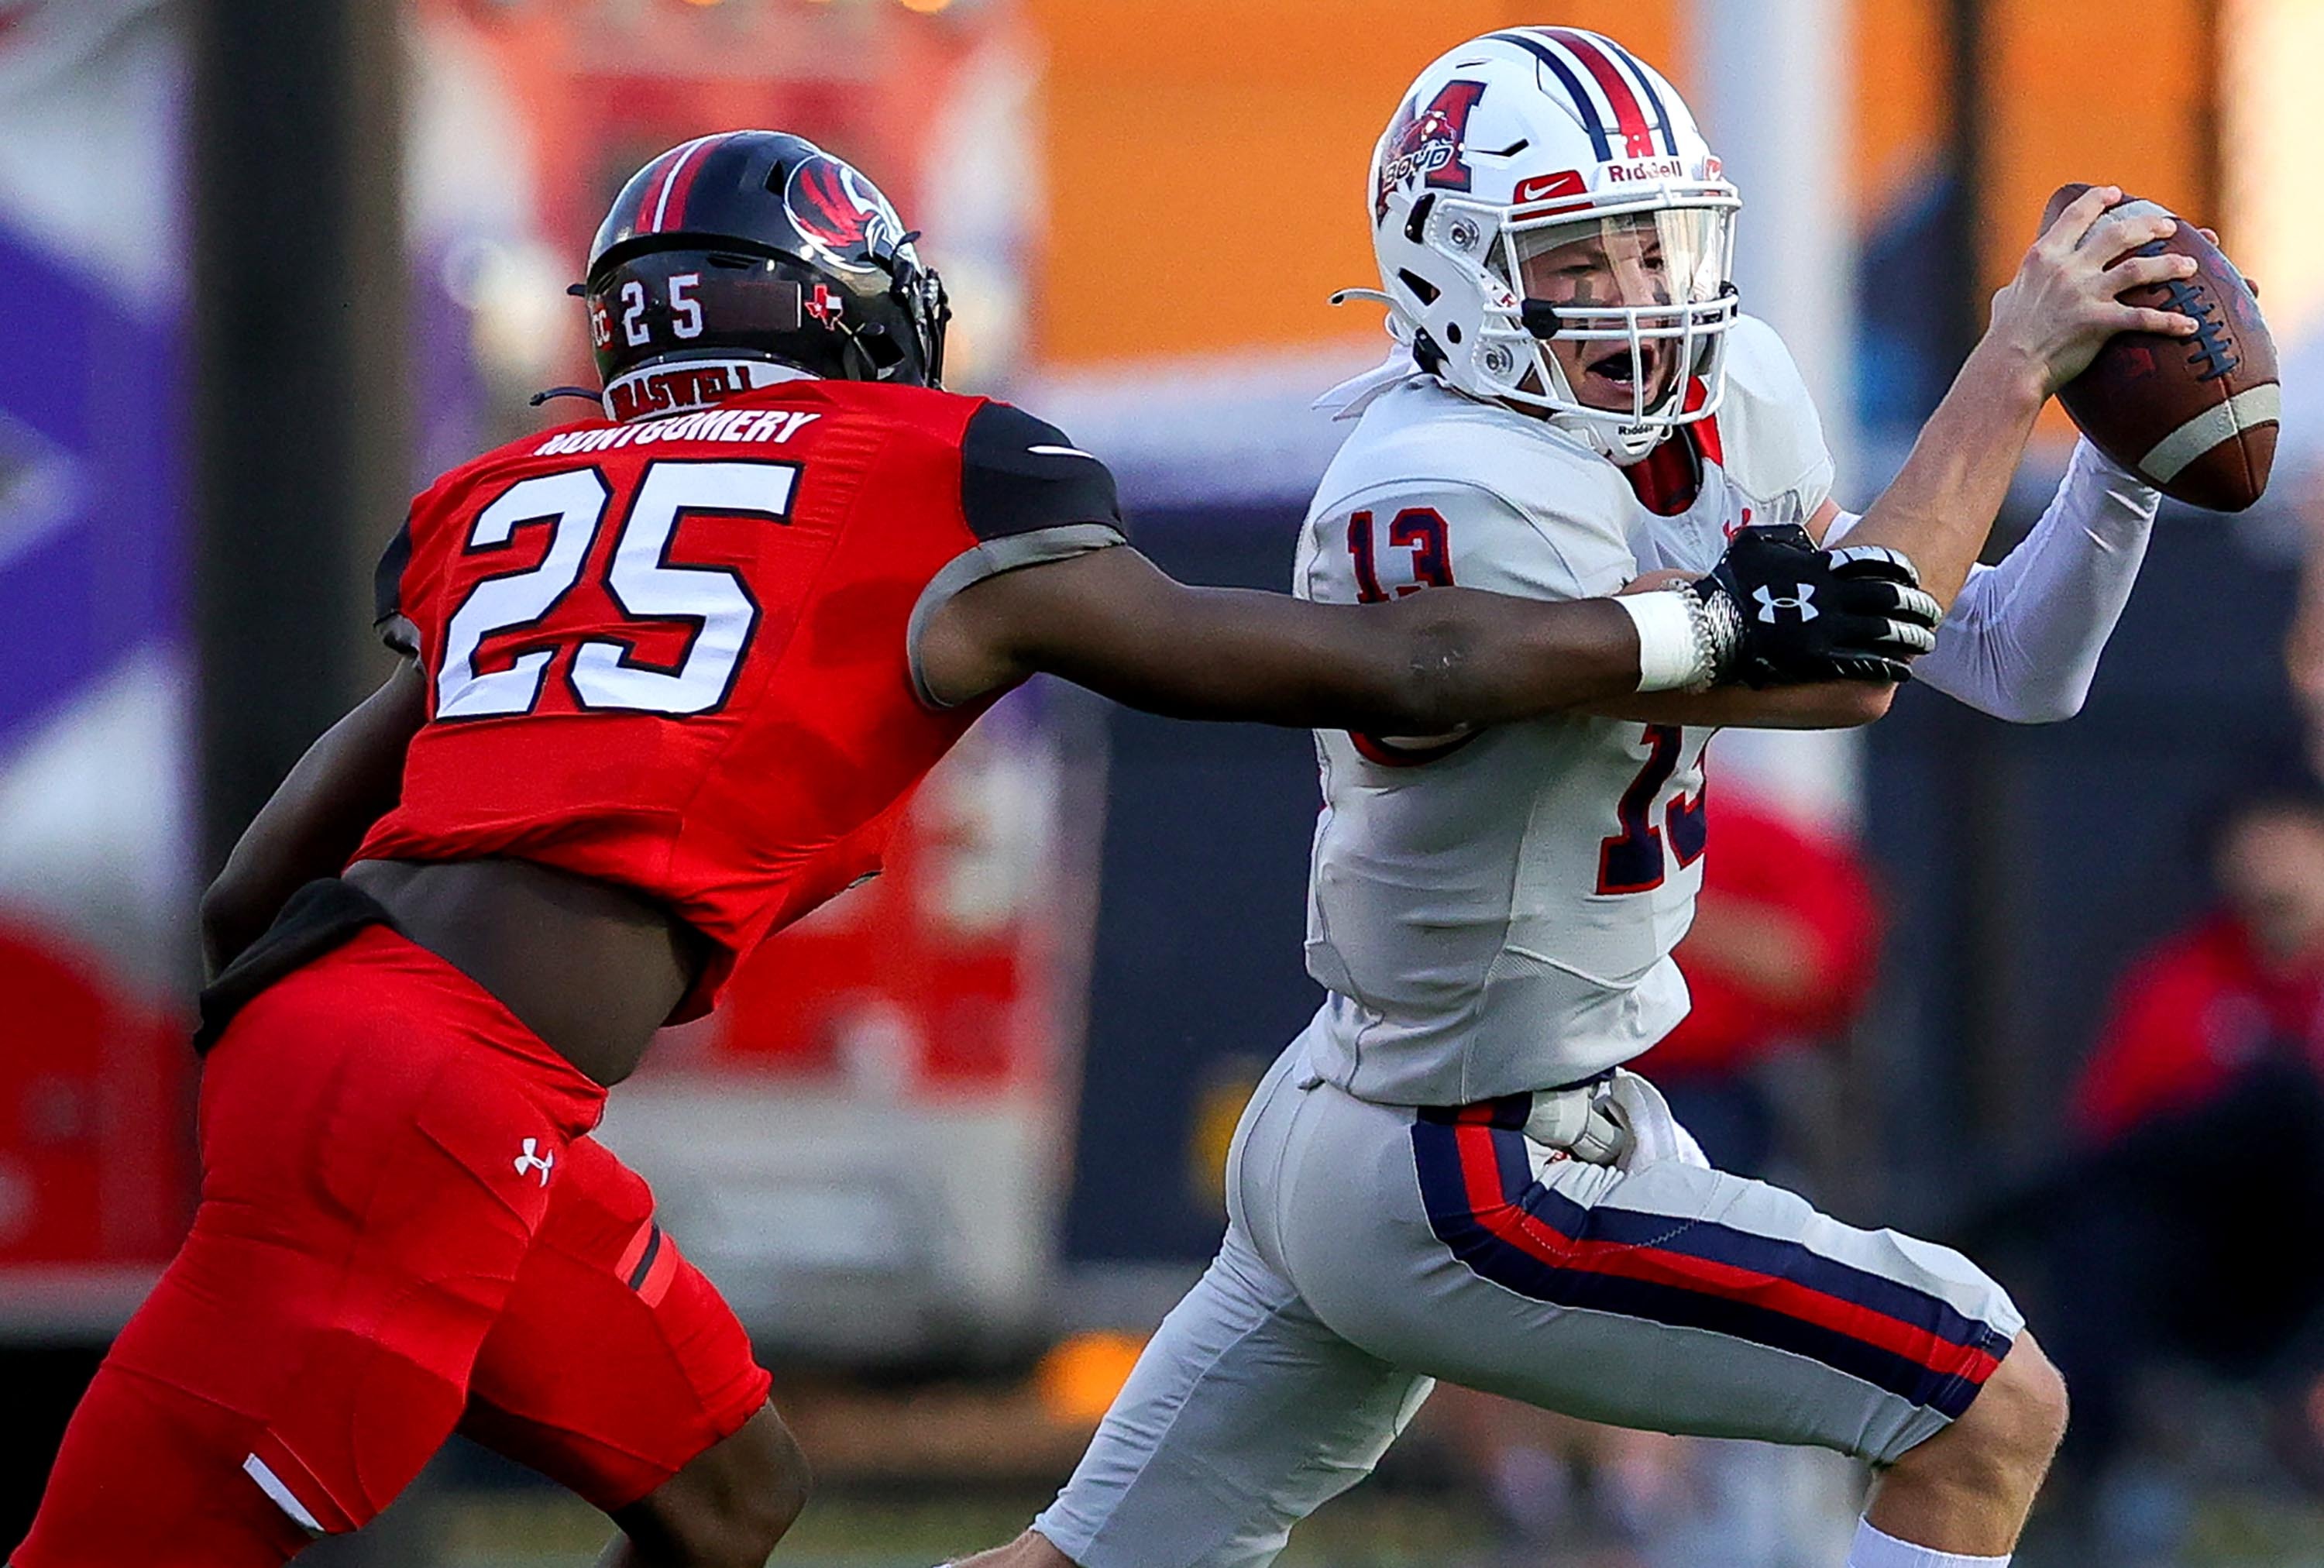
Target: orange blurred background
1206	157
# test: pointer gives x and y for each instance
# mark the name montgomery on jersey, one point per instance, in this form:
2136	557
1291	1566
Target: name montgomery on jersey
755	425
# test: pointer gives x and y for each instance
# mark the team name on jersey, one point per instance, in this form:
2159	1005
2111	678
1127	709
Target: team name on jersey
775	424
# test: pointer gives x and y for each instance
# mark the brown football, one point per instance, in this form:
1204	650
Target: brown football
2195	417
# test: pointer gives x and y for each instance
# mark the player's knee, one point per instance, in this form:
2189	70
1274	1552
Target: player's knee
759	1504
729	1507
789	1482
2018	1418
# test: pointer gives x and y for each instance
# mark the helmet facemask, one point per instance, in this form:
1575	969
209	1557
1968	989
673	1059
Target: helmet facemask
1615	325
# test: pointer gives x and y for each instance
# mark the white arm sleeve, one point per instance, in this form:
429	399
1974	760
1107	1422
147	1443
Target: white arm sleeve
2022	640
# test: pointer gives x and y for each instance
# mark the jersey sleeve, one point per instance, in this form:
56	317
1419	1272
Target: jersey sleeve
394	627
1028	496
1394	541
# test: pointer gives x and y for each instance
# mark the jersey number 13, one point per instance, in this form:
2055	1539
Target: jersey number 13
1633	859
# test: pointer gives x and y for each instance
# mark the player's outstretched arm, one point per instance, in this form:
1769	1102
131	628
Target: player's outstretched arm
1421	665
1113	621
316	817
2046	326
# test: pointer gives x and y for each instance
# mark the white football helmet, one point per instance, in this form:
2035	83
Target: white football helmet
1526	141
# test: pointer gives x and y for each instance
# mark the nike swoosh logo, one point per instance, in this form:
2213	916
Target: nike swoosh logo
1063	452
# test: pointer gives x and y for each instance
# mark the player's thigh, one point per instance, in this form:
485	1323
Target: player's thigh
1672	1297
616	1363
1243	1415
362	1223
145	1475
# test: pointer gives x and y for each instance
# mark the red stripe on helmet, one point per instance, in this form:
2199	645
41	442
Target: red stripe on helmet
1637	136
644	222
681	181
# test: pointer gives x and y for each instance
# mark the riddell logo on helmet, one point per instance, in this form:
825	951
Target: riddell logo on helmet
1645	168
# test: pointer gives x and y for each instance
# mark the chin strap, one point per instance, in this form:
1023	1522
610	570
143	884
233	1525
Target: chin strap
1351	397
1599	435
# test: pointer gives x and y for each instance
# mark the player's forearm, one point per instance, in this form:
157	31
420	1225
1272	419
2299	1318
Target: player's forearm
1484	658
1940	508
315	820
2023	641
1432	662
1830	705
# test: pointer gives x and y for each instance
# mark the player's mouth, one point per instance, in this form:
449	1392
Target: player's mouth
1620	371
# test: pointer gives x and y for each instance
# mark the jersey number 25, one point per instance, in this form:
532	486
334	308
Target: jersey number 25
639	578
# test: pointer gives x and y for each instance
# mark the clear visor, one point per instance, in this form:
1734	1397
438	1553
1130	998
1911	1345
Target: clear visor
1673	256
1624	311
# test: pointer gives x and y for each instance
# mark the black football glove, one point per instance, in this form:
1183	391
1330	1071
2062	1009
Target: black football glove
1803	614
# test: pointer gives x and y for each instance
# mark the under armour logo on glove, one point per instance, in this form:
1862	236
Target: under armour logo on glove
533	1159
1804	615
1797	601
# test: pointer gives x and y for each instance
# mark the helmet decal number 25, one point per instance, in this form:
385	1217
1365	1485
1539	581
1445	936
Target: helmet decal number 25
638	578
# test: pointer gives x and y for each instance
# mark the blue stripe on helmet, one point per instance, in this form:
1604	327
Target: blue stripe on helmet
1653	98
1582	105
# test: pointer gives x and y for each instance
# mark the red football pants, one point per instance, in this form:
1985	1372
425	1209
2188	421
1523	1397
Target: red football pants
404	1230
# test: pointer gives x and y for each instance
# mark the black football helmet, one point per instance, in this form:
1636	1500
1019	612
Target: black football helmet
756	246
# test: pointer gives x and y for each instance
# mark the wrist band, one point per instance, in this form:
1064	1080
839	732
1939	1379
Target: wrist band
1674	649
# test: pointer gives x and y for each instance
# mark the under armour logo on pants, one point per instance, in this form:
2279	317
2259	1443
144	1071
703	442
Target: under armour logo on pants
533	1159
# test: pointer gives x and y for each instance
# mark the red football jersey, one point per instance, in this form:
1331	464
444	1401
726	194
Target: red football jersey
676	654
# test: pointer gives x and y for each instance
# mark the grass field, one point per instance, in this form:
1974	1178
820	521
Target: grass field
1392	1527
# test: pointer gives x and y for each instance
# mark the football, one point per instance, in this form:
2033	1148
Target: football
2195	417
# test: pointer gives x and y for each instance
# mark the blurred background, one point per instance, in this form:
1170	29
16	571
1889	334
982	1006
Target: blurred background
955	1143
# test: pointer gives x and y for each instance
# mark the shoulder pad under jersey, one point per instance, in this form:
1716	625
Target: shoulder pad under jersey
1425	432
1529	510
1773	441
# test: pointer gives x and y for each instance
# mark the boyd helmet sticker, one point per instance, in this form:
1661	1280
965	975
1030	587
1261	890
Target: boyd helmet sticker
1426	142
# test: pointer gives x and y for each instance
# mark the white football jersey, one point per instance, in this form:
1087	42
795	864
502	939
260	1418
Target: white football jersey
1495	911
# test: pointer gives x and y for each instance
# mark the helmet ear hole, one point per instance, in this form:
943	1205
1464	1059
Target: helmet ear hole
879	346
1418	221
1427	292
